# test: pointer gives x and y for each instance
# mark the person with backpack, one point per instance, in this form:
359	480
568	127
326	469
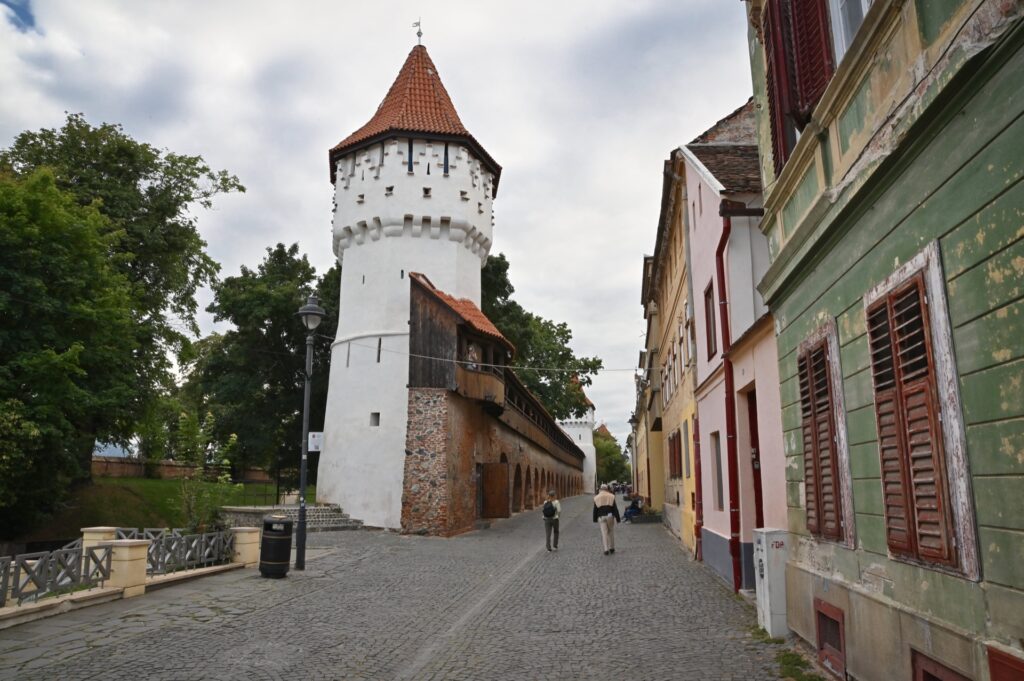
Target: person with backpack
605	512
551	511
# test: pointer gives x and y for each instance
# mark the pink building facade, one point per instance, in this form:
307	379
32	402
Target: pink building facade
739	428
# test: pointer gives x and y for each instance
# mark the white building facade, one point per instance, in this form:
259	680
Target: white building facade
413	193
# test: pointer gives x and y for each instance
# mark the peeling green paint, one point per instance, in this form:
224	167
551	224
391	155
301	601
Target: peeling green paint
851	120
801	199
932	16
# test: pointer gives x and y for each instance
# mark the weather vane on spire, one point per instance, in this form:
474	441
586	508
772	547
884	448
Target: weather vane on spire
419	30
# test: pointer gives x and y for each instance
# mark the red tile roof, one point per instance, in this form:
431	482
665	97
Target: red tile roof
417	102
465	308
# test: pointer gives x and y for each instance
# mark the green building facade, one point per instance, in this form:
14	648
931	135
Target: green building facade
894	211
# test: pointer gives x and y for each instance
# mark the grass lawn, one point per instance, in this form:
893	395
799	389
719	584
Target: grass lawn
137	502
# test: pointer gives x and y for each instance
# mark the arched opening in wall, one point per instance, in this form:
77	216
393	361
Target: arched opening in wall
528	493
517	490
538	493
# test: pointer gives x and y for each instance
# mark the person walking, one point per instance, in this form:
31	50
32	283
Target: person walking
551	512
605	513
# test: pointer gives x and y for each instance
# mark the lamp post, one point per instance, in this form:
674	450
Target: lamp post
310	314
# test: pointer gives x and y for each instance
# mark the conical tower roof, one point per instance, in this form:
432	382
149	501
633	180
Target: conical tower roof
417	103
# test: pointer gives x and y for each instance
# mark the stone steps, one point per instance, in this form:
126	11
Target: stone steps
319	517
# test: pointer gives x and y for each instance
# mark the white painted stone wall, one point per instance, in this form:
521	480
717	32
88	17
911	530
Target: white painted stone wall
581	431
389	222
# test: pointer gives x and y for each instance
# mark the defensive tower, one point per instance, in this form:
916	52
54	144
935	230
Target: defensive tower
413	192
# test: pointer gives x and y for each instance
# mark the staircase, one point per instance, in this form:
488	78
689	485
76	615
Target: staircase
319	517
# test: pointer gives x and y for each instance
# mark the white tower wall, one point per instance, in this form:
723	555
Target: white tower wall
581	430
389	222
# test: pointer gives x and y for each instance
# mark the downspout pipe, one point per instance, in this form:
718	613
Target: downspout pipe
698	522
729	209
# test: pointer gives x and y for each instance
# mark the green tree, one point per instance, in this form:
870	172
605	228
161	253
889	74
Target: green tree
148	197
197	448
611	464
66	328
250	377
539	343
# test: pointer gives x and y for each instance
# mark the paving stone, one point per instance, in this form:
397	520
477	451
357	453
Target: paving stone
376	605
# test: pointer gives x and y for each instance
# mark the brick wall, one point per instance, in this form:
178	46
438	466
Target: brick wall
425	488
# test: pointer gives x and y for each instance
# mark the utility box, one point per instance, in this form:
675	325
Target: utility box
771	549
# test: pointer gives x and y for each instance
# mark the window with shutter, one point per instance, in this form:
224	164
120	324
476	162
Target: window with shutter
799	64
778	85
709	321
821	465
910	440
812	56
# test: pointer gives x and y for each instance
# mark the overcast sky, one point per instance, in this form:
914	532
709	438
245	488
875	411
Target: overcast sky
580	102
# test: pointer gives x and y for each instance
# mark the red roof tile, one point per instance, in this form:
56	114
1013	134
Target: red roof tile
416	102
465	308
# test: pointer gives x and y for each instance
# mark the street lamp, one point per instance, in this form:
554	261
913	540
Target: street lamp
310	314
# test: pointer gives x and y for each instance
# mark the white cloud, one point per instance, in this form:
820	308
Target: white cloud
581	102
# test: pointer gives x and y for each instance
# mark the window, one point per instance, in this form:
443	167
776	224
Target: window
374	418
926	669
921	442
798	67
410	156
709	320
847	16
445	158
1004	667
686	446
914	482
379	348
821	465
831	637
716	451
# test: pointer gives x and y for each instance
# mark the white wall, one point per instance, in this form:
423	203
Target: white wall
581	431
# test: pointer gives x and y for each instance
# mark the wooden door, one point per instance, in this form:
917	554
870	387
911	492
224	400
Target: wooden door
495	486
755	459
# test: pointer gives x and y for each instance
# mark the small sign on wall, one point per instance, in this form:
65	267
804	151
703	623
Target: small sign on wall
315	441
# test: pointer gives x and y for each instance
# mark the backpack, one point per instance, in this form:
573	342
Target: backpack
549	510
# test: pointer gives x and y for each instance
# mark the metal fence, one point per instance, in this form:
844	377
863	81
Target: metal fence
31	576
171	550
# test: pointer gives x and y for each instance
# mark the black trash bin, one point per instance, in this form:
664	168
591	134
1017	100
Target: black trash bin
276	546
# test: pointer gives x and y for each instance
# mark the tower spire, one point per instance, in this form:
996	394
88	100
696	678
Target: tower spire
418	25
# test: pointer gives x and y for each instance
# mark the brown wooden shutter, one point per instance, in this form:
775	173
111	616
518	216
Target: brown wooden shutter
821	465
811	505
777	75
917	510
812	55
825	449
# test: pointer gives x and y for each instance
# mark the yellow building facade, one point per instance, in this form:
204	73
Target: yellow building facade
666	406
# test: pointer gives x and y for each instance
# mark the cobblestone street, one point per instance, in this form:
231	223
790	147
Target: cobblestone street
373	605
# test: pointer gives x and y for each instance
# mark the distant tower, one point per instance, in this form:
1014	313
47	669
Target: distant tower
581	430
413	192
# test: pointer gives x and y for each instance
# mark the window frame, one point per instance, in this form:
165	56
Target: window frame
710	327
928	264
828	335
837	22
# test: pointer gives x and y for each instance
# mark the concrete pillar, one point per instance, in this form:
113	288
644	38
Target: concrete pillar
247	545
91	536
128	565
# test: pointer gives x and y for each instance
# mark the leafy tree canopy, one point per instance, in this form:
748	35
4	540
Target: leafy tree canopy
66	329
147	196
611	464
539	342
250	378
